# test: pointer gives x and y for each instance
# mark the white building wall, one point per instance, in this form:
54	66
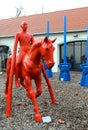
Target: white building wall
9	41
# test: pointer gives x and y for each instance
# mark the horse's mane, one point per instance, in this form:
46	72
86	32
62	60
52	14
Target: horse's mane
36	43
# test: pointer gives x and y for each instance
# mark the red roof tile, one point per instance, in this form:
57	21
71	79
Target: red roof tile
77	19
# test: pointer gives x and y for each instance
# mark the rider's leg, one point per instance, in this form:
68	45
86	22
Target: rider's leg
17	67
18	61
16	75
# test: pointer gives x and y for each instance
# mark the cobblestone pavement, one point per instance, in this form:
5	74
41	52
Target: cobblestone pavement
71	112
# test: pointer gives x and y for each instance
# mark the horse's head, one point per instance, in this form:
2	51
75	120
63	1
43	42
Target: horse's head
47	51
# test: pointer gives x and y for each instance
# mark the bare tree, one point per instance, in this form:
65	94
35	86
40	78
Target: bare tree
42	8
18	11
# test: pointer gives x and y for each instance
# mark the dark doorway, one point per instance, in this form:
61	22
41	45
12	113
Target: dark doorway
4	53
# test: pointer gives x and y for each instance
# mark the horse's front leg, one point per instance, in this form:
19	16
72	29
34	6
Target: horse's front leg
38	82
31	94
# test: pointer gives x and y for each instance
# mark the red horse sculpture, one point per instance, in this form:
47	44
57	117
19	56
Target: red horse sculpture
31	68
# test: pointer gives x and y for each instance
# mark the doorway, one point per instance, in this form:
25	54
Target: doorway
4	53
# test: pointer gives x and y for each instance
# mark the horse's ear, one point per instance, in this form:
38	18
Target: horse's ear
46	39
54	40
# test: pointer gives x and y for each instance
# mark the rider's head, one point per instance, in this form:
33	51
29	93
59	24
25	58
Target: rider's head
24	25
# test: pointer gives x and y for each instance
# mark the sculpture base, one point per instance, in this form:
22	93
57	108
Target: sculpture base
64	72
84	78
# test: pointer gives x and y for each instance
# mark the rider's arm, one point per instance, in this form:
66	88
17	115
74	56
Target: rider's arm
16	42
15	46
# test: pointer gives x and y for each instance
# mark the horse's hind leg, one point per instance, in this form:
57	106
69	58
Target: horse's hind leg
31	94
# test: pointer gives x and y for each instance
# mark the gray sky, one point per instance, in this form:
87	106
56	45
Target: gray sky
8	7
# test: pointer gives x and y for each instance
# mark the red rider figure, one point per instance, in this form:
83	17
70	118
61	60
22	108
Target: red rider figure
25	40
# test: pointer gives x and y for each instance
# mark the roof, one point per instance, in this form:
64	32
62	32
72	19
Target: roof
77	19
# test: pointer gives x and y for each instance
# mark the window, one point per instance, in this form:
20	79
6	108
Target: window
75	54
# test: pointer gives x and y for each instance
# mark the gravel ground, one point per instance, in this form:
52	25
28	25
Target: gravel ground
71	112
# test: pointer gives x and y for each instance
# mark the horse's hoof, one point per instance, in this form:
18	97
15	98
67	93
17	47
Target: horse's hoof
38	118
54	102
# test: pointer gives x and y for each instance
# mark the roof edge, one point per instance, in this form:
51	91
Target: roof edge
44	33
69	31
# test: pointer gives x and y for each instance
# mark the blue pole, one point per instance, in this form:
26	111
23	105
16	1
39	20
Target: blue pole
48	71
64	67
87	48
65	61
48	28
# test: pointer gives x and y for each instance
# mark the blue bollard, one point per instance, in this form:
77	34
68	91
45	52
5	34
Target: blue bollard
84	78
48	71
84	67
64	72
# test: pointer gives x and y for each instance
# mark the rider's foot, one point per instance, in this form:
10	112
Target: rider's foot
17	83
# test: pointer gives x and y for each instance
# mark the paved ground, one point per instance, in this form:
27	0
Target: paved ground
71	112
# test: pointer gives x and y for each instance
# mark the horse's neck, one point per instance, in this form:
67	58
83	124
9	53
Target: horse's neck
35	53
